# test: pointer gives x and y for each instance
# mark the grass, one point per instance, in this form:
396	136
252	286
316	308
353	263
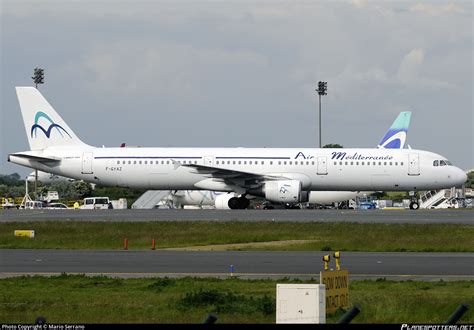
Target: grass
81	299
315	236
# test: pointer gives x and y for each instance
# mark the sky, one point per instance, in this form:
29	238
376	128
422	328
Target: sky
242	73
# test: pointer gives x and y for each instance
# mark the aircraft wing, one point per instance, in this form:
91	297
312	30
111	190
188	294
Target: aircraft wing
236	177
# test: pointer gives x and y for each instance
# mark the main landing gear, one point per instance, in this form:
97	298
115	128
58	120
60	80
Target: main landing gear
239	203
414	205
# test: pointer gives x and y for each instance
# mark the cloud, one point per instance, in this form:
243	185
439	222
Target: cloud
437	9
410	72
172	69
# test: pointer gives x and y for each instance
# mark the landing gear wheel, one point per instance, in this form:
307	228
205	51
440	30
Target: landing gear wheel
238	203
414	206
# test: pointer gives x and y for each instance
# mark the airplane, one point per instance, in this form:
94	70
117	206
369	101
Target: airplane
395	138
47	178
277	174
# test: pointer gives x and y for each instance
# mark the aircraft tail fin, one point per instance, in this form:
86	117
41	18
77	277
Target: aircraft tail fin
44	126
396	136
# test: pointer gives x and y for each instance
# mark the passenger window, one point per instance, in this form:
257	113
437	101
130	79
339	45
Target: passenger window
217	162
340	163
271	162
240	162
284	163
233	162
390	163
385	163
134	162
363	163
396	163
290	162
401	163
279	162
307	163
250	162
312	163
263	163
380	163
245	162
335	163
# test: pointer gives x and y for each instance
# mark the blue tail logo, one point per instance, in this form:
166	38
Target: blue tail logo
396	136
48	131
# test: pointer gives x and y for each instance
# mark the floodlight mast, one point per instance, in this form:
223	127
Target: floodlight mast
38	78
322	90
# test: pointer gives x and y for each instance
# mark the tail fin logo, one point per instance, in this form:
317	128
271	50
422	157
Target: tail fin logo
48	131
393	140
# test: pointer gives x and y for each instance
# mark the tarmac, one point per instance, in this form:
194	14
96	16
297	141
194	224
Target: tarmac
452	216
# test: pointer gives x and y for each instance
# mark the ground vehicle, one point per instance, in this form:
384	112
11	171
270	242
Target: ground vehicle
35	205
96	203
57	206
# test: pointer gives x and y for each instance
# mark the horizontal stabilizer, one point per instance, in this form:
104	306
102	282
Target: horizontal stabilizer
40	159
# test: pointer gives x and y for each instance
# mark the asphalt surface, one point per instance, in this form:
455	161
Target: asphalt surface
453	216
398	266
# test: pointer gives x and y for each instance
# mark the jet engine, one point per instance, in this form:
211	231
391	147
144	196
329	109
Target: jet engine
284	191
222	201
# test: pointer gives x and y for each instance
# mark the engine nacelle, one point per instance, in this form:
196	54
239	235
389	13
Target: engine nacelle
284	191
222	201
328	197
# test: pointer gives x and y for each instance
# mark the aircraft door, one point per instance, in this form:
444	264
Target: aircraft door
322	166
209	160
87	163
413	164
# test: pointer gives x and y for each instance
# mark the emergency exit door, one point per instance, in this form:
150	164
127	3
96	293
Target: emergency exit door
322	166
209	160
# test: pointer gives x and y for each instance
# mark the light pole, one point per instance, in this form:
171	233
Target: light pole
322	90
38	78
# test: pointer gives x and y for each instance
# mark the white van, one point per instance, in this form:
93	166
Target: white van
35	205
96	203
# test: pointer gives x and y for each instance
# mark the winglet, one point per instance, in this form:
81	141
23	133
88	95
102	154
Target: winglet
176	164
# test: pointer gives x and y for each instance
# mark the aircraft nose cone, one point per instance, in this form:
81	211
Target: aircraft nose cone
461	177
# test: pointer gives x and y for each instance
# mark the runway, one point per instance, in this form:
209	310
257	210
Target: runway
452	216
304	265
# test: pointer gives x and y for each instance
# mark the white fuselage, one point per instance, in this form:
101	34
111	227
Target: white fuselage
316	169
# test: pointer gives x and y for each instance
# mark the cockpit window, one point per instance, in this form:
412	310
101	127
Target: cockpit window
442	162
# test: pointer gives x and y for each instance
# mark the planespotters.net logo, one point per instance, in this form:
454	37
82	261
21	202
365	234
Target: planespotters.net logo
47	132
436	327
